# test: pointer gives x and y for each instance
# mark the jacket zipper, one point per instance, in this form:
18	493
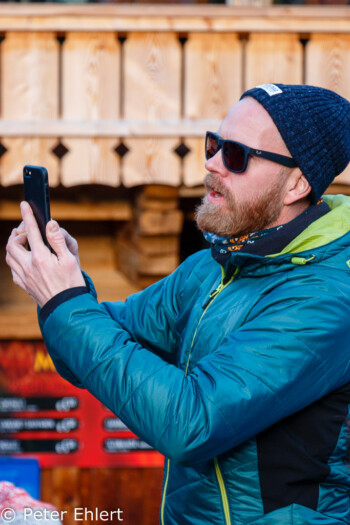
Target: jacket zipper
212	296
164	493
206	305
223	492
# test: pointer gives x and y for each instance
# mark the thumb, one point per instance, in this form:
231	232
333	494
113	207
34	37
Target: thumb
56	239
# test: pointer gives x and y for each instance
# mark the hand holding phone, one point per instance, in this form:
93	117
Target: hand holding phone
36	193
40	273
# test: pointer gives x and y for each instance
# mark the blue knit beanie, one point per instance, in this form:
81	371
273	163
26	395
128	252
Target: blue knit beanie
315	126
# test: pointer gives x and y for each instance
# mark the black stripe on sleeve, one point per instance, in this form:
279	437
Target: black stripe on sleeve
60	298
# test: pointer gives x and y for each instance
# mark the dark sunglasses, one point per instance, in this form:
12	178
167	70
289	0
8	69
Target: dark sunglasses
235	155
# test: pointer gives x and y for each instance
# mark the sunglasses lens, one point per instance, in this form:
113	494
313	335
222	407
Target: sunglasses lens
234	156
211	146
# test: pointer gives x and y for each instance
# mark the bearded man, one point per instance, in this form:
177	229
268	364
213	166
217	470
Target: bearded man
236	367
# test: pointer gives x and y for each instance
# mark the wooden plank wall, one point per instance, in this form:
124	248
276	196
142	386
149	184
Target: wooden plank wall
137	492
29	91
90	78
152	91
90	92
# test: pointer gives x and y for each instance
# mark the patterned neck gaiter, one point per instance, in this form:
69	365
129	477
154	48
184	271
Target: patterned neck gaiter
265	242
235	244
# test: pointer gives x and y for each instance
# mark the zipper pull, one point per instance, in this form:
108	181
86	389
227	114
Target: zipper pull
226	279
211	297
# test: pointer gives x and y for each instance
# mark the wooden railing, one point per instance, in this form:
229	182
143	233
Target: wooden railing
122	94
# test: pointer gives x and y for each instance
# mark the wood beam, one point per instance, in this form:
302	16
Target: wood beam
107	128
181	18
75	211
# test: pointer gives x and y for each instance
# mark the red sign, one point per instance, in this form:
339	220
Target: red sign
44	416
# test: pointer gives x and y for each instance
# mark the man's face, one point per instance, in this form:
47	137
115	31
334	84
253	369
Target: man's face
241	203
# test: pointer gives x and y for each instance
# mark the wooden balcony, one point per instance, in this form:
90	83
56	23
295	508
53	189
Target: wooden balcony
79	81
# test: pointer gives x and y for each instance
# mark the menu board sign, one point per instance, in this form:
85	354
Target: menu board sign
44	416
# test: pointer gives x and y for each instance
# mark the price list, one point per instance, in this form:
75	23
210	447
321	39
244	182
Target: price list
44	416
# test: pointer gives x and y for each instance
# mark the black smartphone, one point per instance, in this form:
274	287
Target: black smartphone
36	192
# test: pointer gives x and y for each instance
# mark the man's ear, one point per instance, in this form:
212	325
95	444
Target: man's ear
298	188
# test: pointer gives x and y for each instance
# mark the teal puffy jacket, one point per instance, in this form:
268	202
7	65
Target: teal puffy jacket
241	379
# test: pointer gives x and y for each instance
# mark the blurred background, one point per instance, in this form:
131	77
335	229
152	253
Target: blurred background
115	100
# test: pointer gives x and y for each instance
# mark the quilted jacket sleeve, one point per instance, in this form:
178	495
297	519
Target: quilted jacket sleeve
147	317
293	349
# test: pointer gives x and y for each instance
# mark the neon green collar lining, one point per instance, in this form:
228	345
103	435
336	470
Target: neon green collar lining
327	228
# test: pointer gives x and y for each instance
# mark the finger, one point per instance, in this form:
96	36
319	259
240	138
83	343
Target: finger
70	242
20	229
17	231
15	267
15	248
13	234
18	280
31	227
21	238
14	242
16	239
72	245
66	235
56	239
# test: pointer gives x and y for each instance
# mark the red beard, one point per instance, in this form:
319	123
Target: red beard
236	218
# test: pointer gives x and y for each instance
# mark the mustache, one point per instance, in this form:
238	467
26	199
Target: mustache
213	182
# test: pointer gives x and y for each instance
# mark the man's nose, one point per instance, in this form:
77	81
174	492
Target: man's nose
216	165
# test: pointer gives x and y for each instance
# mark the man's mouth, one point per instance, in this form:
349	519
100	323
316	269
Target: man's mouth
214	186
215	194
